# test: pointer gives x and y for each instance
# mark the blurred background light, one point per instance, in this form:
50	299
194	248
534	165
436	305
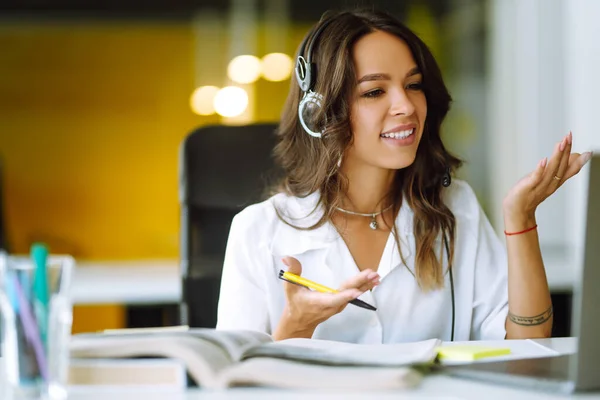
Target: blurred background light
231	101
244	69
202	100
276	67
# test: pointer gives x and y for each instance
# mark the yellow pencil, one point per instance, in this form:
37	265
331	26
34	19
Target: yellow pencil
298	280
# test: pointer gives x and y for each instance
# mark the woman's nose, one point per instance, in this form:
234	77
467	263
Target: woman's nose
401	104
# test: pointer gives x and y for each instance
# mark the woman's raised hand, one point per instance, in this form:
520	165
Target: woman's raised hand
524	198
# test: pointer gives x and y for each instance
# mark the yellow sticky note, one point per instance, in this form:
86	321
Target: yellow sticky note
469	352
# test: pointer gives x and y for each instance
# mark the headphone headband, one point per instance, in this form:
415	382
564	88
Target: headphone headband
305	68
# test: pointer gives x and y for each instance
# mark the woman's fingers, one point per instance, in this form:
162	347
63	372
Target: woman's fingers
583	159
324	305
538	173
341	299
558	176
363	281
294	267
552	165
576	162
321	306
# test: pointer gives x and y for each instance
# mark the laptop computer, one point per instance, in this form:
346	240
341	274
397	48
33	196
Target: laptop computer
564	373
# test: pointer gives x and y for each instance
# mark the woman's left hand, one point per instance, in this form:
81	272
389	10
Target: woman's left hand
523	199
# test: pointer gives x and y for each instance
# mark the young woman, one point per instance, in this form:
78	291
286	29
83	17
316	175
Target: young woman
368	207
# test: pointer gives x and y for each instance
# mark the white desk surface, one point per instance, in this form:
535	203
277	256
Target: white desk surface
157	281
126	282
432	387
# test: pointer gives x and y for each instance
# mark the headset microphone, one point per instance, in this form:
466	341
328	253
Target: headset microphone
446	178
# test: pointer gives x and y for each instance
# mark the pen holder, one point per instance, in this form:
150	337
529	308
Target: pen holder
36	318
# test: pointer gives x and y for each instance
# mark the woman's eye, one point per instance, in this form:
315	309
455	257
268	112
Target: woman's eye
373	93
415	86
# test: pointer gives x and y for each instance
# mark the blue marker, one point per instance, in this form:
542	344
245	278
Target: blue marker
39	255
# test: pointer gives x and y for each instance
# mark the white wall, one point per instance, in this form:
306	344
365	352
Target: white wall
527	115
582	101
544	65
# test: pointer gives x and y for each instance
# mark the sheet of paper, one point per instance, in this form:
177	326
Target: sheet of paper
340	353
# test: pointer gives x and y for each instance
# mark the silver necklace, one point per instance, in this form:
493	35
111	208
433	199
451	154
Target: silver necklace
373	223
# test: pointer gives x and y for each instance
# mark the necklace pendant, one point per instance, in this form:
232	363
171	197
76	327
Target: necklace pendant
373	224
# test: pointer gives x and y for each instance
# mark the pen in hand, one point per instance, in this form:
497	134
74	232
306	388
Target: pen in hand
298	280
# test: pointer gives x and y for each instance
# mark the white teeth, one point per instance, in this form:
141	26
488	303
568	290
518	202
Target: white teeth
398	135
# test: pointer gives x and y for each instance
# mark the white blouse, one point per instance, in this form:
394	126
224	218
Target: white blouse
252	296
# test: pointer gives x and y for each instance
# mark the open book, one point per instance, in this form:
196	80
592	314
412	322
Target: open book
219	359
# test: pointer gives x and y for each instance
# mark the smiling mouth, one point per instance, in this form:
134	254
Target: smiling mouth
398	135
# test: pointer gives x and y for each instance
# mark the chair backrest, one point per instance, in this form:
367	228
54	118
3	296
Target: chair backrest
222	170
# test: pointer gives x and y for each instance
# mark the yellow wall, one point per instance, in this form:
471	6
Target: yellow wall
91	118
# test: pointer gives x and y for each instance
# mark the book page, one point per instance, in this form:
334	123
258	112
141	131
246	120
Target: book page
205	352
294	375
339	353
234	342
202	359
160	373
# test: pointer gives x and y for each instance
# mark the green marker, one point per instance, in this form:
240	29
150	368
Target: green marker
39	255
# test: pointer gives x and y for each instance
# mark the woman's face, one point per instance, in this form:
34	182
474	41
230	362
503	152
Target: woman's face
388	107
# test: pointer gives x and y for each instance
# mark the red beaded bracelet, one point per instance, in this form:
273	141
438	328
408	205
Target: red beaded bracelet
518	233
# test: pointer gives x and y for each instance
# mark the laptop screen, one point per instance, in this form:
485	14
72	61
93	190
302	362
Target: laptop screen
586	293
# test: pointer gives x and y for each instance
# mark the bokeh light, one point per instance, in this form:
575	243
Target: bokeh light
276	67
244	69
202	100
231	101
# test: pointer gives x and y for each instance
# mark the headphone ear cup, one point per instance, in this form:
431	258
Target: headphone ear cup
308	110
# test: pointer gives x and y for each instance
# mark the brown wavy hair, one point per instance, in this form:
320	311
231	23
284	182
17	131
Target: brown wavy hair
310	163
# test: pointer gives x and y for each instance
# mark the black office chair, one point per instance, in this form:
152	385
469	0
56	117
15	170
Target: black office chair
222	170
